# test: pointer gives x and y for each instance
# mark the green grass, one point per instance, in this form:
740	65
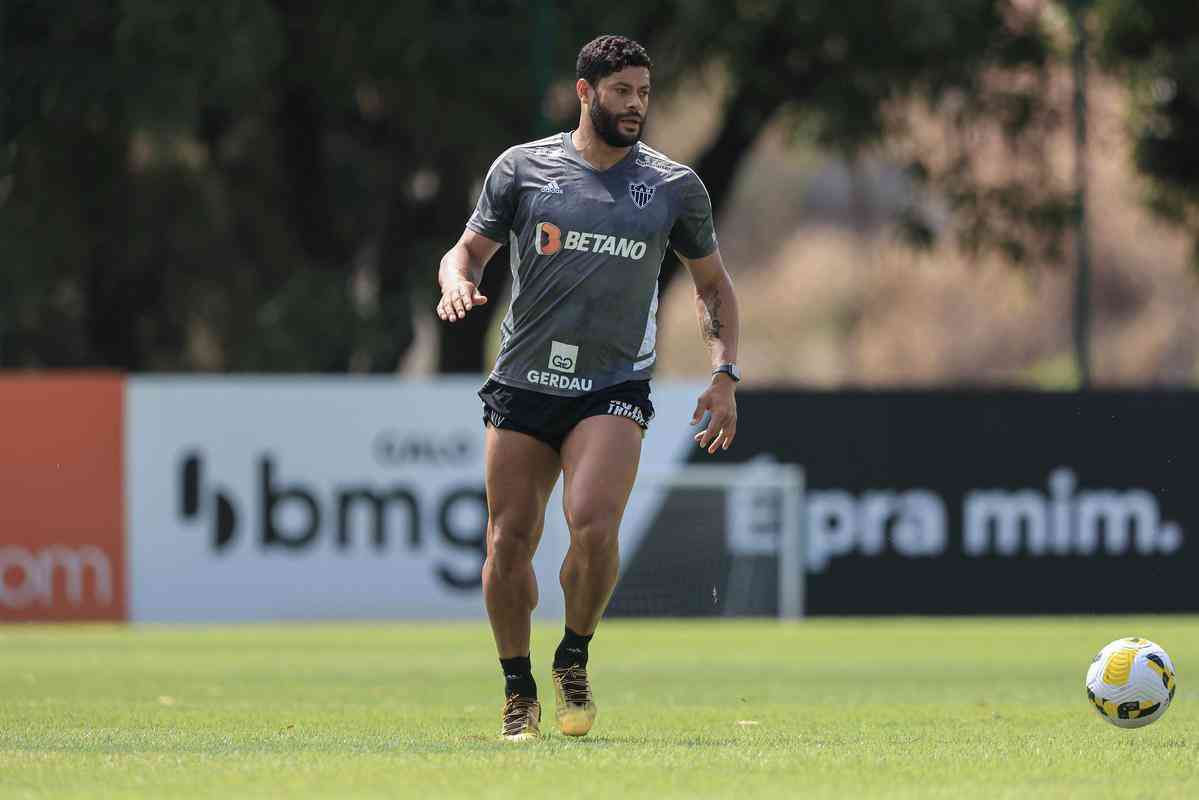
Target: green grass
843	709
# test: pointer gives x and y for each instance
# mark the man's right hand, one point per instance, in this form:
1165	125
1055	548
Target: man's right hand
457	299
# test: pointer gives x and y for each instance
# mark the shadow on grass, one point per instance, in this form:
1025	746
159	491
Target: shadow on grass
289	743
556	743
644	741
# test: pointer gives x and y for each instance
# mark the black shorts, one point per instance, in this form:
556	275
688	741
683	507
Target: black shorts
550	418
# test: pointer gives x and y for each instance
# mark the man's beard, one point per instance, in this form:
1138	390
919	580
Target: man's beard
607	125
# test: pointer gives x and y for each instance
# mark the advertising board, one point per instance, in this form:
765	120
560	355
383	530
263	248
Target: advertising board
294	498
976	502
62	544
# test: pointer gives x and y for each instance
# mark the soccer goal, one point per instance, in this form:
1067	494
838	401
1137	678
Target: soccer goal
704	540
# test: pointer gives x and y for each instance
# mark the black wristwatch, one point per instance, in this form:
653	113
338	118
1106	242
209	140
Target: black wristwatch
729	369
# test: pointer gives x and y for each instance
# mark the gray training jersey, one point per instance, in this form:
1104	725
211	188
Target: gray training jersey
586	248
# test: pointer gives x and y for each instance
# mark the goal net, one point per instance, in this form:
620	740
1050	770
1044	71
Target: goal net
713	540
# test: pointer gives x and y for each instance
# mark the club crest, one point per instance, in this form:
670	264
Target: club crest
642	194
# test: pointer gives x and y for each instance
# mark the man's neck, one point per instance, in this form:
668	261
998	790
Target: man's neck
594	150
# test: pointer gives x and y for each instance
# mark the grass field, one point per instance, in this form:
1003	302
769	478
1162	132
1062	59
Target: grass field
821	709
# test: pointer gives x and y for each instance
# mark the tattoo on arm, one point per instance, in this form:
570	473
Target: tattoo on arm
710	324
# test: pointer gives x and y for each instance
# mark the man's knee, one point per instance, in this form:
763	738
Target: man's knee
594	527
511	541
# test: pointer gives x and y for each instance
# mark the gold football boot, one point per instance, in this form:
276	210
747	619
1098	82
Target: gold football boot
575	711
522	715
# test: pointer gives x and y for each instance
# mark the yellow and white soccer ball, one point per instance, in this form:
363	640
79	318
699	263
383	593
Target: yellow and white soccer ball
1131	682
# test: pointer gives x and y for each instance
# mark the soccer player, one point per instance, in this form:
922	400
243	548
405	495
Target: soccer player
589	215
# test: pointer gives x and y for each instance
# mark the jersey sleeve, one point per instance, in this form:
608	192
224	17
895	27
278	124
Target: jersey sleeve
694	232
497	202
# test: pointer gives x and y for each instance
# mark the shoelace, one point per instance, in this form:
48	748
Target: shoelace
575	687
518	711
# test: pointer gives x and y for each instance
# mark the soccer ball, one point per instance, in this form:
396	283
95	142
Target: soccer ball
1131	682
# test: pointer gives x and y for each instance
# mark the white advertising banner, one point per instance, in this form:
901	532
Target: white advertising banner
317	498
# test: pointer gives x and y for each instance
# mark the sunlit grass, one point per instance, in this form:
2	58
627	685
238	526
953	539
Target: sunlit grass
826	708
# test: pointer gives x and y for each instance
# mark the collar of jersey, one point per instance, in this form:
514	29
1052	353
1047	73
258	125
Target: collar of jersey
569	146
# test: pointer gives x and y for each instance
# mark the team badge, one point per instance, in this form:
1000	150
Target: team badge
641	193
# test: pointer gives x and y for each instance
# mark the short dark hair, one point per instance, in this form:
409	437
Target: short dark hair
604	55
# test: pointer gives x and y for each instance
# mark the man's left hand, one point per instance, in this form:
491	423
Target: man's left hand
720	401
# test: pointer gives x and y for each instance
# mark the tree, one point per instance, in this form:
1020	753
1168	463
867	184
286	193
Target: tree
1155	48
146	139
267	185
249	185
837	69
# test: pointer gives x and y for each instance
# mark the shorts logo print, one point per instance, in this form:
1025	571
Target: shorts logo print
623	408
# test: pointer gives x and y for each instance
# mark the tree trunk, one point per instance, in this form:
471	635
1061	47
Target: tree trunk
299	129
117	293
747	113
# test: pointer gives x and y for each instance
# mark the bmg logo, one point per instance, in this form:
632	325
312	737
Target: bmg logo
224	522
291	517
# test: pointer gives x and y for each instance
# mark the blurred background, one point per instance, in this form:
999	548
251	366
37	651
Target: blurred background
253	186
964	235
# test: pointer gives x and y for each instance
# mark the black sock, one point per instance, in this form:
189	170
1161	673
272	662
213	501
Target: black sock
518	677
572	651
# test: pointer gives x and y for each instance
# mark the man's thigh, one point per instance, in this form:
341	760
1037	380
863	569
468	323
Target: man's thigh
520	472
599	459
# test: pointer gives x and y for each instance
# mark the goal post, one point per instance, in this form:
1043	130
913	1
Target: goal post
715	540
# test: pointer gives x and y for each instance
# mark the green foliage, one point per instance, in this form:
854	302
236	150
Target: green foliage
1057	373
266	185
843	61
841	72
1155	47
203	186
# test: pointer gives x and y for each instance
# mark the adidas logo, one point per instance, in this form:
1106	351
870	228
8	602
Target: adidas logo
552	188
